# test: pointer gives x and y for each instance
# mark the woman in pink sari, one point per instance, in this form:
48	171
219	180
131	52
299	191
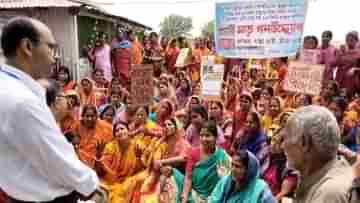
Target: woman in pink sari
328	56
101	56
348	59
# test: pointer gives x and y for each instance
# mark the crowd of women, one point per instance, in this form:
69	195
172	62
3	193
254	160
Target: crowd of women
183	147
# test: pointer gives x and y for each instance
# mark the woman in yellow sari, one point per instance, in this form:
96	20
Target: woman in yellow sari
167	152
121	159
272	116
125	170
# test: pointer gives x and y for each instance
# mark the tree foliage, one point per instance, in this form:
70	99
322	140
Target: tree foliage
208	30
175	25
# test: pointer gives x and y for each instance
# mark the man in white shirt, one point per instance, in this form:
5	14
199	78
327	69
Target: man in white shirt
37	163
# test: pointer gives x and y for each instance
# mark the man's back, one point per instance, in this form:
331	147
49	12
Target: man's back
331	184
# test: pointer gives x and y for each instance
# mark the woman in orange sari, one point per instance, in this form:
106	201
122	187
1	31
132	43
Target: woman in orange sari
87	92
64	78
171	55
136	49
93	135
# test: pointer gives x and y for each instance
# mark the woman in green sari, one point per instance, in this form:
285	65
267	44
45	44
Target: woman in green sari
205	166
244	184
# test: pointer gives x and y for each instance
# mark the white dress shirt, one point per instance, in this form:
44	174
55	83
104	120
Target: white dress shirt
36	161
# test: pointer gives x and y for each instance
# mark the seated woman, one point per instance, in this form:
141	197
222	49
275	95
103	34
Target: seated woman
144	145
107	113
254	140
100	81
205	165
183	92
168	151
281	180
272	115
224	123
348	131
63	76
244	185
93	134
120	160
199	116
87	92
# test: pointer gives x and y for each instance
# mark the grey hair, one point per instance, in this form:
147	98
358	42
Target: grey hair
319	126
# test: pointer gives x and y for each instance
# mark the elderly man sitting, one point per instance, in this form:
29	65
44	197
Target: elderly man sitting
310	140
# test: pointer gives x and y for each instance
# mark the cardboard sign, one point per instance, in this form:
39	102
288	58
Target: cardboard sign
304	78
212	78
310	56
142	84
181	59
259	29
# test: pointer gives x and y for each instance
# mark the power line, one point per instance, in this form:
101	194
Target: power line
165	2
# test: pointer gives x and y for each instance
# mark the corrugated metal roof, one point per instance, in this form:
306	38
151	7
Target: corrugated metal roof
11	4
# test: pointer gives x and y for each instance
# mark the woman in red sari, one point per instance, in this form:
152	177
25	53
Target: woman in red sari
172	52
153	53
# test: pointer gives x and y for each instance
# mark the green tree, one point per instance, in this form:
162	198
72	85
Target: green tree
208	30
175	25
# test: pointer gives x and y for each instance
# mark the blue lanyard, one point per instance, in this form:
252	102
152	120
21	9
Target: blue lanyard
12	75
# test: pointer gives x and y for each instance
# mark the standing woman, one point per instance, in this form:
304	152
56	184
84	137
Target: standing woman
348	59
172	52
101	56
328	56
64	78
121	57
153	54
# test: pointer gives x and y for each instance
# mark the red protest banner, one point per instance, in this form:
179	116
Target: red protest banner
142	84
304	78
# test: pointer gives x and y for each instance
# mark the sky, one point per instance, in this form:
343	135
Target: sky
340	16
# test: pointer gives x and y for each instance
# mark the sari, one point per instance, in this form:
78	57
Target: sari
205	175
328	58
87	99
195	65
119	167
89	138
69	86
255	190
347	61
257	144
157	187
103	61
3	197
122	59
136	53
170	58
